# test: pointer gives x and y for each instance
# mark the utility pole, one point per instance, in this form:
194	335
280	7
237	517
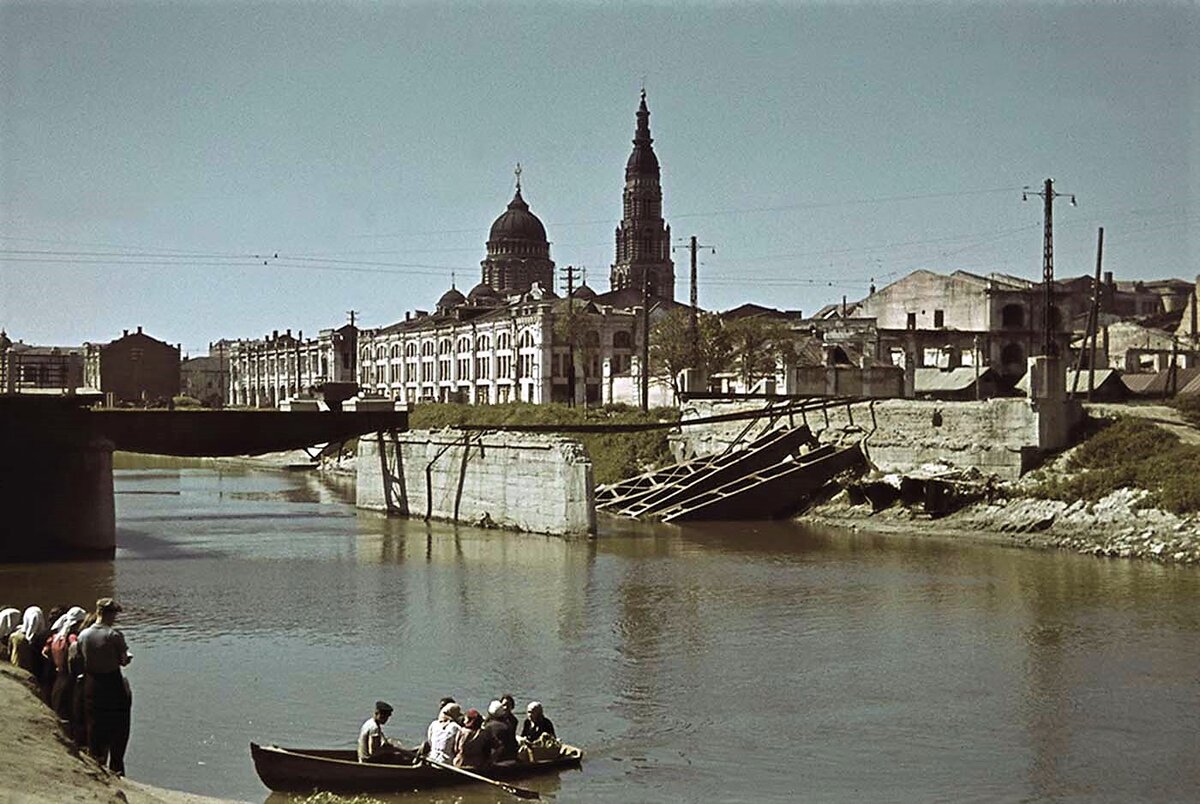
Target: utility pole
1094	323
1048	194
694	247
570	336
645	339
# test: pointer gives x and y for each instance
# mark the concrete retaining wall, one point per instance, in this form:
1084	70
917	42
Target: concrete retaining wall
1002	437
536	483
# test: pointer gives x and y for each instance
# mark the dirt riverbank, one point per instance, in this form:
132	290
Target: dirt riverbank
1115	526
44	767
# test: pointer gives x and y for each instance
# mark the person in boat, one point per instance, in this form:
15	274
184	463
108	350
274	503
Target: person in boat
536	723
473	746
510	703
106	697
443	733
373	746
502	727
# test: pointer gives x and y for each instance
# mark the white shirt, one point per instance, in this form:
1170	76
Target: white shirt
441	735
370	739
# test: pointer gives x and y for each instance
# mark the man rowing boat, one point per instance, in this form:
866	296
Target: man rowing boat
373	746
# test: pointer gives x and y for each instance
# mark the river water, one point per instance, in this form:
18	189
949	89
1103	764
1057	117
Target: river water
732	662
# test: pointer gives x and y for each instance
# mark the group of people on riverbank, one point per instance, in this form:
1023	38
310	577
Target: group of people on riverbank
464	739
76	658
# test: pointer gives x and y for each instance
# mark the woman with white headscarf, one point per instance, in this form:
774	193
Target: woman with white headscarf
9	620
25	643
67	633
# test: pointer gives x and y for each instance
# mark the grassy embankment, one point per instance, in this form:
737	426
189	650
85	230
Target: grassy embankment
614	455
1132	453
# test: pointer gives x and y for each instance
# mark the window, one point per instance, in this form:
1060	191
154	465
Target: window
504	341
464	344
939	319
410	349
526	339
427	349
481	368
592	338
483	343
621	339
444	346
912	321
1012	316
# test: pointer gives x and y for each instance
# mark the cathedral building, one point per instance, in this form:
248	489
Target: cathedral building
643	238
511	337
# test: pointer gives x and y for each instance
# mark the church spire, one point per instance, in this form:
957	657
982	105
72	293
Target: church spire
642	136
643	238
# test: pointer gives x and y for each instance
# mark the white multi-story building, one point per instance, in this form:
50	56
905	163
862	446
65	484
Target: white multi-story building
265	371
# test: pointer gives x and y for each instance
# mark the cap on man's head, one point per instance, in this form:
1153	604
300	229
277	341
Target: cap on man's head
383	707
107	604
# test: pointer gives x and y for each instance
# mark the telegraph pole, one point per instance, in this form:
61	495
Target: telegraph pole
1048	194
570	335
645	339
694	313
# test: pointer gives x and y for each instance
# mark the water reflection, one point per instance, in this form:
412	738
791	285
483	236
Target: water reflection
721	661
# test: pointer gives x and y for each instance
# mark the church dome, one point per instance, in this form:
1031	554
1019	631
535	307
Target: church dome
583	292
482	294
451	298
517	223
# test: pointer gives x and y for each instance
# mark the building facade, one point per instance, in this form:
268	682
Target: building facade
263	372
26	368
133	369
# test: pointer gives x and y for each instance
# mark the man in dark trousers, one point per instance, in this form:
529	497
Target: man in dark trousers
106	696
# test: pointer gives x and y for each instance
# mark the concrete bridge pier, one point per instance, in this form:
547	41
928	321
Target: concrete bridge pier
56	482
57	500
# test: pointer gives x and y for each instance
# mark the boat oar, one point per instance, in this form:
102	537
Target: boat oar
519	792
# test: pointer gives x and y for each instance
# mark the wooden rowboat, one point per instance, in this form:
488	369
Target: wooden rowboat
303	770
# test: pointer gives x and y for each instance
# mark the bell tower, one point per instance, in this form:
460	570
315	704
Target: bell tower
643	238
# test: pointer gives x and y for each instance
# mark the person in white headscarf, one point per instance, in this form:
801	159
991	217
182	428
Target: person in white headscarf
9	620
25	643
66	632
443	733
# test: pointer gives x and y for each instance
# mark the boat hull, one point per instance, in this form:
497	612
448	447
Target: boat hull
302	770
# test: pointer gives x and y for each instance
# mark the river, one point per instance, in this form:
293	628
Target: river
731	662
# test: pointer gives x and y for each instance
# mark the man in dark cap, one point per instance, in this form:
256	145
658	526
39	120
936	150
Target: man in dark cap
106	696
372	745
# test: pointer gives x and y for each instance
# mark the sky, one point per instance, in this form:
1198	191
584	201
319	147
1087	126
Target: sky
218	170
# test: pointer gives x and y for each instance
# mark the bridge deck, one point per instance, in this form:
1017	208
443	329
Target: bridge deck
235	432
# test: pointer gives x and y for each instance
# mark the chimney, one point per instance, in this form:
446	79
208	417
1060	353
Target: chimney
407	315
139	332
1108	278
274	334
125	334
289	332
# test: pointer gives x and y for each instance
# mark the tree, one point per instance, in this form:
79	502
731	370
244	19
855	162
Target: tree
758	345
672	350
575	326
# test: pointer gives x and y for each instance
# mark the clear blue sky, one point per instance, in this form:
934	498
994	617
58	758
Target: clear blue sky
146	149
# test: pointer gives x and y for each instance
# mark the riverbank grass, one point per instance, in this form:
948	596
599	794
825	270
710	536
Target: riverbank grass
1129	453
614	455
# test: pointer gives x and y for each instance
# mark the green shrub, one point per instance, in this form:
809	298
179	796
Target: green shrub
1189	406
1131	453
614	455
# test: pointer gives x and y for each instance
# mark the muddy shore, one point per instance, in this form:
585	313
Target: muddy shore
1116	526
45	767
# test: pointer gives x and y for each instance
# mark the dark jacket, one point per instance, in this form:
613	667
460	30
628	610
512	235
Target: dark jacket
475	748
504	736
531	730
